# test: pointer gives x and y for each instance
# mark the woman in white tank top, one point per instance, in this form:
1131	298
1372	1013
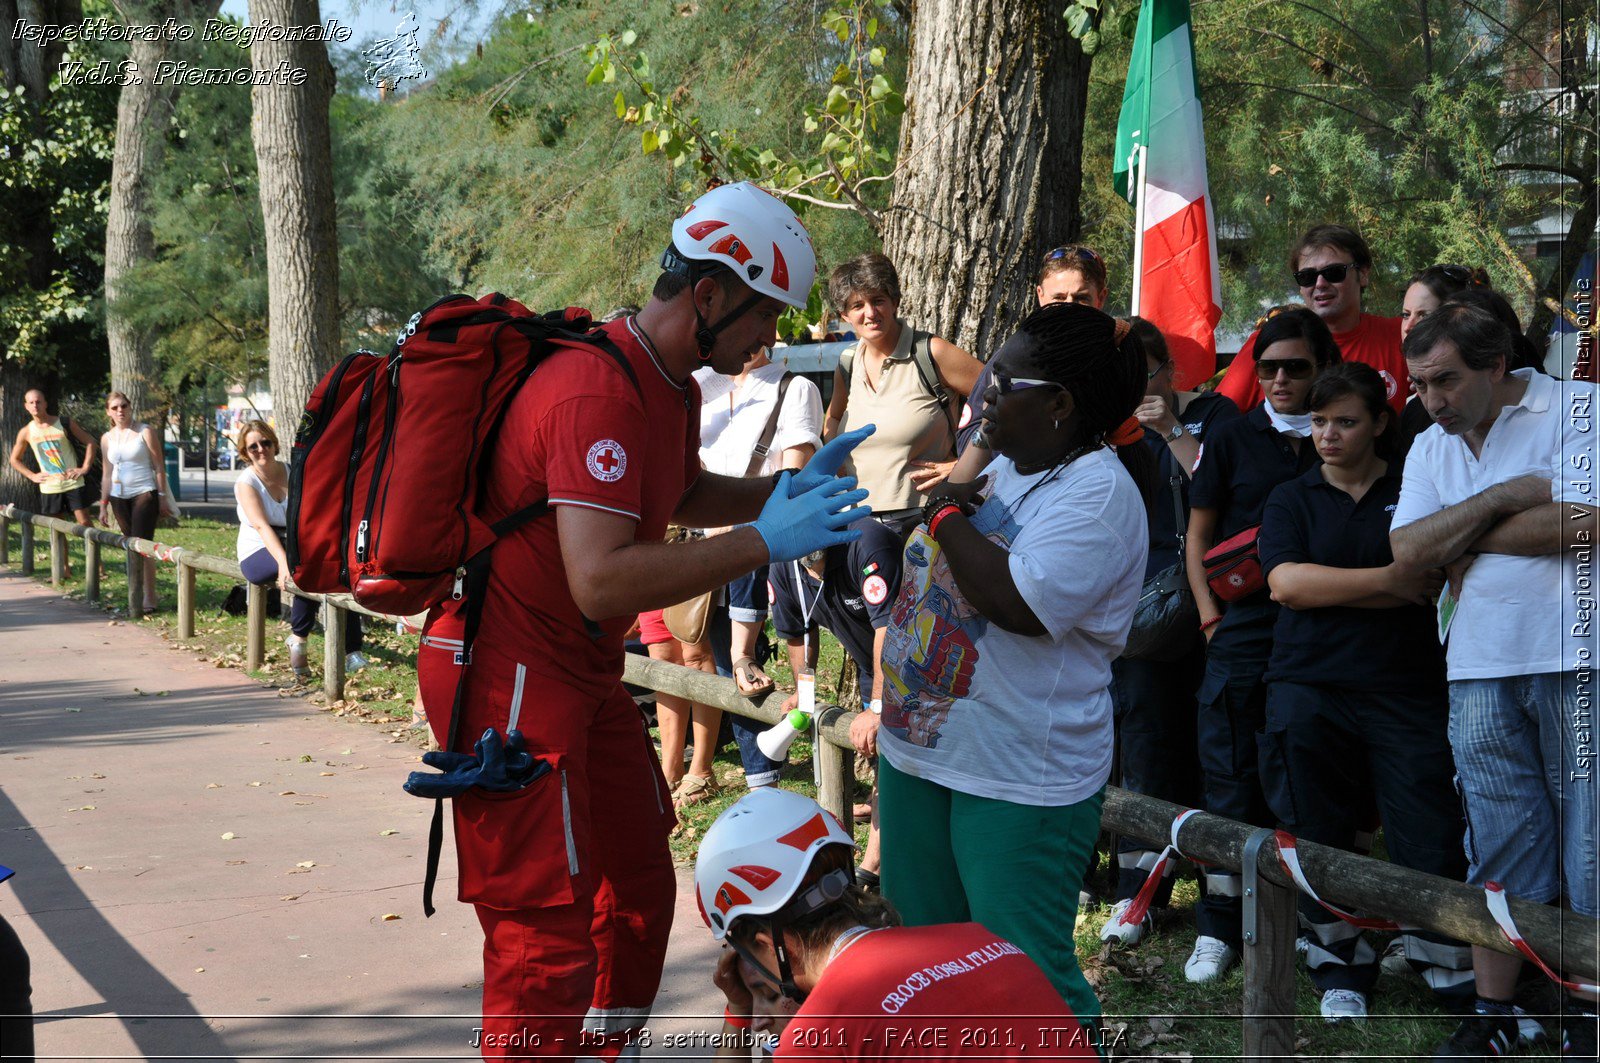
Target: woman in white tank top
134	487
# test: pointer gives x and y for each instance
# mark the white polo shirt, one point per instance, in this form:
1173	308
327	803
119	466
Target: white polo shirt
1517	615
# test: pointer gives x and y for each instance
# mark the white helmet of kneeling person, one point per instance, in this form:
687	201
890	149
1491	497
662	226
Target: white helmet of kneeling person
755	857
753	233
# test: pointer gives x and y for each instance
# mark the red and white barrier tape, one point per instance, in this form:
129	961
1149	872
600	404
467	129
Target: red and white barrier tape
1290	857
1494	896
1134	914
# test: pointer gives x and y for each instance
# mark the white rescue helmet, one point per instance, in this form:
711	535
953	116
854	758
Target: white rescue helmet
756	854
752	232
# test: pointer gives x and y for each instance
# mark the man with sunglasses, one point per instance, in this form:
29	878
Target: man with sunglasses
1331	266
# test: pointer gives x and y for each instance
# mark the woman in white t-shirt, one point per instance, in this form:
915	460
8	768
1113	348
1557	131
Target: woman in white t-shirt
996	736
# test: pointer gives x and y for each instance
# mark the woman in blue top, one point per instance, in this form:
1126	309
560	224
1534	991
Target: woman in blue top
1357	706
996	736
1239	466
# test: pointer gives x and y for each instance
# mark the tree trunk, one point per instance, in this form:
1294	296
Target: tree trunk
144	113
991	163
294	160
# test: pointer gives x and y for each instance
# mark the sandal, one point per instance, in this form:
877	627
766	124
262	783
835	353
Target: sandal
749	677
694	789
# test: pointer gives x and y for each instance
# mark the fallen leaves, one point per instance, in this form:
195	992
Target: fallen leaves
386	833
306	863
390	917
82	808
228	837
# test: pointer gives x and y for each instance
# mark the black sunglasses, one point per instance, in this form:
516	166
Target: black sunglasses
1297	368
1335	273
1005	385
265	444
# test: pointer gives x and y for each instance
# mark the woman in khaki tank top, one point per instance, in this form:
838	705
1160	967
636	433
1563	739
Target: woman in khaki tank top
913	449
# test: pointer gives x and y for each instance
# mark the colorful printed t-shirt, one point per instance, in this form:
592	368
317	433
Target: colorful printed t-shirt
933	992
53	450
1019	718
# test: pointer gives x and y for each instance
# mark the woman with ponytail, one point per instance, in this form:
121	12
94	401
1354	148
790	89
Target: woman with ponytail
996	735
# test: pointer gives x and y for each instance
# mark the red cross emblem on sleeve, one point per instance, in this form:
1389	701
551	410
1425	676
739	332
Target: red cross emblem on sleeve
607	461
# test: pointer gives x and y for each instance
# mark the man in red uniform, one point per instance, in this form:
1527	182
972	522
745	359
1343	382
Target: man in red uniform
571	874
1331	266
774	881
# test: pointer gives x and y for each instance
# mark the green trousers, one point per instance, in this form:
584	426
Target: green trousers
950	857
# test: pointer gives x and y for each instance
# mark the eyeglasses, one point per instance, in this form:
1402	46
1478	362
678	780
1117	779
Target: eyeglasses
1297	368
1157	371
1459	274
118	406
264	444
1335	274
1075	250
1005	385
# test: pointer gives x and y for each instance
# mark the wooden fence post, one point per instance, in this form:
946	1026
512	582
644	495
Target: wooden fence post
58	557
256	621
91	568
185	598
27	547
334	620
135	583
5	538
1269	959
836	773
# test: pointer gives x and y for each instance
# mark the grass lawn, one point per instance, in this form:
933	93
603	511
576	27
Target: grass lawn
1142	989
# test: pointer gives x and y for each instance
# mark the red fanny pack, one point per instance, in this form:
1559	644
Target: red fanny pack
1233	567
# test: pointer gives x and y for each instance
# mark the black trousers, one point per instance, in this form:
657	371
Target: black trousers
1327	753
1156	750
16	993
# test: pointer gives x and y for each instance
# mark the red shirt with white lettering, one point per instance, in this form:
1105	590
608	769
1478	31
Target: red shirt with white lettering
578	434
1375	341
932	992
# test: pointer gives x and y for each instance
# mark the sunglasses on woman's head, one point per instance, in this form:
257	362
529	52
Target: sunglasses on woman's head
1297	368
1335	273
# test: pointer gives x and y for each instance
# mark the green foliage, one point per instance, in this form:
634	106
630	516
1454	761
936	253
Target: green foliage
527	180
205	295
1340	110
55	168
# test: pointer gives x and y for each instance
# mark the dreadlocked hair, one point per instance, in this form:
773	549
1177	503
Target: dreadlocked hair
1077	347
815	933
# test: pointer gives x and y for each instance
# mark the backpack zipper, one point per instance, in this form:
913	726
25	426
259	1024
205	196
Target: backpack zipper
383	457
302	453
357	445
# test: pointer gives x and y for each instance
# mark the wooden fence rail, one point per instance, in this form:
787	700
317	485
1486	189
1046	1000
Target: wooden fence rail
1353	882
335	607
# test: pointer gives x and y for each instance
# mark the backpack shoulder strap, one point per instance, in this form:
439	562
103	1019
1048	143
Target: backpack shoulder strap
847	359
758	456
928	370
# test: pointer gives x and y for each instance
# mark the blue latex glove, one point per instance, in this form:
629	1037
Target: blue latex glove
796	523
824	464
494	766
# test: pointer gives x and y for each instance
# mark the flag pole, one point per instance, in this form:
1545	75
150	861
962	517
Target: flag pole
1138	226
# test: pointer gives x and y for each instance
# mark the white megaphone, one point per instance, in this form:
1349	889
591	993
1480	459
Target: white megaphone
774	741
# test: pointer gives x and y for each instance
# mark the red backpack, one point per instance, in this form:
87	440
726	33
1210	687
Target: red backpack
383	487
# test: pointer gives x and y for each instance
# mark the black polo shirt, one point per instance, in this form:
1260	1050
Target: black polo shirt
1239	466
1308	520
1203	413
855	595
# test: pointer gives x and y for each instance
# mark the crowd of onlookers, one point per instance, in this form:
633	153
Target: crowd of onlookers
1376	522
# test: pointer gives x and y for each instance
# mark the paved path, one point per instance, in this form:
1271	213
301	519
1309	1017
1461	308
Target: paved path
159	840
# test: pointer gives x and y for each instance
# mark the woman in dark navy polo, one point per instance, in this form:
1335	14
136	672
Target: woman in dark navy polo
1153	699
1356	700
1239	466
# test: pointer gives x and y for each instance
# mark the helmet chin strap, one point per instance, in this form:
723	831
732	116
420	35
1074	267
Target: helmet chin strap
705	336
784	978
821	893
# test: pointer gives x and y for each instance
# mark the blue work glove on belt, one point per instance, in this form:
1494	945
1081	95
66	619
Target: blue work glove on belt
810	520
493	765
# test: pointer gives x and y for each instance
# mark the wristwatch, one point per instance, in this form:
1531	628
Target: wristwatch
1174	435
875	706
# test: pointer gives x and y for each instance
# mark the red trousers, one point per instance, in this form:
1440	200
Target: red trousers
571	877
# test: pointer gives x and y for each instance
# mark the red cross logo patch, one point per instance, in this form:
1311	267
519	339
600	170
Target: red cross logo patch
607	461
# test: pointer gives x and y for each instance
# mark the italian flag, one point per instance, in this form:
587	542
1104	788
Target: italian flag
1160	166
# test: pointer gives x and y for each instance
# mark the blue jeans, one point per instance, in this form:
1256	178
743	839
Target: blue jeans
759	769
1525	768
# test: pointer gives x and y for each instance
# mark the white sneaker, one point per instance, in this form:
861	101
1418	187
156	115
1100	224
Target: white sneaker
354	662
1210	959
1530	1031
1339	1005
1125	934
